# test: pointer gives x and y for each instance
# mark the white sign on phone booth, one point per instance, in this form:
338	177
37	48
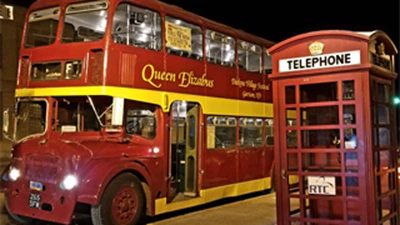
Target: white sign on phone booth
321	185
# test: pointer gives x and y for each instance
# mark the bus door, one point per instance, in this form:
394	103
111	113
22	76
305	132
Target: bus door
191	149
183	135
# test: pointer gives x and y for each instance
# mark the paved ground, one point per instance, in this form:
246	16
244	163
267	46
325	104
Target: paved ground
257	209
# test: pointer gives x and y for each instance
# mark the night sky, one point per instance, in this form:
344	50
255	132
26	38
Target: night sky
281	19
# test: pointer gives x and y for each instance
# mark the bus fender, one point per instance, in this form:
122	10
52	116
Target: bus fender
97	179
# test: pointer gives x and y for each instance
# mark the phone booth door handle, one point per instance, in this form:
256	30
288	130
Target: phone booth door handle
283	174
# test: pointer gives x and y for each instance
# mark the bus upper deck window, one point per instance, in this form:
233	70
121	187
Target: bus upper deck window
85	22
249	56
42	27
136	26
220	48
183	38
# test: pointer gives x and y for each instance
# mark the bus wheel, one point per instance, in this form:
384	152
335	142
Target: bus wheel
17	218
122	203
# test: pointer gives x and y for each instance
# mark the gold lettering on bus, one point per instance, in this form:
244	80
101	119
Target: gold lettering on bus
264	87
249	84
185	79
254	95
256	88
188	79
152	76
238	82
246	94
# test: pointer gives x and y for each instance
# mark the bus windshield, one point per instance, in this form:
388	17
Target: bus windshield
85	22
83	114
42	27
30	118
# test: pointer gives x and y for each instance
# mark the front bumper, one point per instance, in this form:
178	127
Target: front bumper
55	205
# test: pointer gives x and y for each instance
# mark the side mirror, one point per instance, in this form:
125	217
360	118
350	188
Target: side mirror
6	123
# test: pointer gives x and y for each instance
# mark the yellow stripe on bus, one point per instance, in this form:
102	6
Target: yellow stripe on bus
210	105
212	194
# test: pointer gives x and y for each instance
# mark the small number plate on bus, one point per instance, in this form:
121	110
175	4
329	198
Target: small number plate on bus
37	186
34	200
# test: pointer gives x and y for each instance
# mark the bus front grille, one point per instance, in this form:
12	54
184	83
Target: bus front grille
44	168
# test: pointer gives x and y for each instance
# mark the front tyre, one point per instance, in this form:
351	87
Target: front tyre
122	203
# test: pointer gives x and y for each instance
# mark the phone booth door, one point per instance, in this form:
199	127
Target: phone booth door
320	162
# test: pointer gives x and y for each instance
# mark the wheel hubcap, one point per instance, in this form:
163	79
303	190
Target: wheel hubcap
124	206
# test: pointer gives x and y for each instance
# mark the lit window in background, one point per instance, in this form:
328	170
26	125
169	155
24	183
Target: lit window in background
6	12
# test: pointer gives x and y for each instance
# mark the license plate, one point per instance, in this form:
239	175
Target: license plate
37	186
34	200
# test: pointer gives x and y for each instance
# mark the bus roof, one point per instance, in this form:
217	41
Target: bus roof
173	10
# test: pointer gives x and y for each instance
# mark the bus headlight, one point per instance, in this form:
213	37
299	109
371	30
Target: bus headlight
69	182
14	174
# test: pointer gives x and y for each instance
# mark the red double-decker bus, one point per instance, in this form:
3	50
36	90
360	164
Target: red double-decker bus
131	108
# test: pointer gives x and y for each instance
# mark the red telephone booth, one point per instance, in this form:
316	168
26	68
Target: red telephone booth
336	129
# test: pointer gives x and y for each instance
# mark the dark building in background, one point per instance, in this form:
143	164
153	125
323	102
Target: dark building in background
11	26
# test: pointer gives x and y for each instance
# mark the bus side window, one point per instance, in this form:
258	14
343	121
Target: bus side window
249	57
250	132
136	26
269	132
183	38
141	122
221	132
220	48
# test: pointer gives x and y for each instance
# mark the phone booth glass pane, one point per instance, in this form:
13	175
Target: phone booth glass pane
384	152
